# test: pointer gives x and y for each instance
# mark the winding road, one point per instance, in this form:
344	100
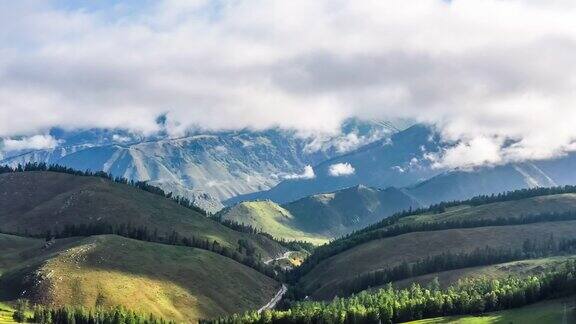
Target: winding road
278	297
272	303
282	257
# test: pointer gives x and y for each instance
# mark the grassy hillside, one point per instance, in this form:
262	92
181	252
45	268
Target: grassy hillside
495	271
520	207
558	311
173	282
323	280
34	202
321	217
515	208
271	218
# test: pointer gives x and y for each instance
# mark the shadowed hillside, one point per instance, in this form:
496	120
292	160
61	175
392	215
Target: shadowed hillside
36	202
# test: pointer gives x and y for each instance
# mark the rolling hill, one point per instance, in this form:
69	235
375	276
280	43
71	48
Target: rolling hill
321	217
272	219
179	283
370	250
326	279
521	268
33	203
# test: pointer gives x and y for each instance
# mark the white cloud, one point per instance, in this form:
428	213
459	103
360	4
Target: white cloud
308	173
341	169
120	138
477	151
36	142
481	71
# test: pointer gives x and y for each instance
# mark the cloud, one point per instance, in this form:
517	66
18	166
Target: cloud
121	139
496	77
341	170
477	151
308	173
36	142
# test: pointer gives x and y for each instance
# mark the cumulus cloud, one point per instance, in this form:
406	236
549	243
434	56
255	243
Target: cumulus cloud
496	77
341	169
308	173
36	142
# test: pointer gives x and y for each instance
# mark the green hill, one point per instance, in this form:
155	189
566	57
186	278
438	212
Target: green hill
321	217
326	279
179	283
515	208
495	271
502	223
33	203
271	218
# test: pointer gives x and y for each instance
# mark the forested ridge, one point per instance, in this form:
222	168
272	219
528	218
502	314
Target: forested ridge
531	249
143	185
389	305
323	252
245	253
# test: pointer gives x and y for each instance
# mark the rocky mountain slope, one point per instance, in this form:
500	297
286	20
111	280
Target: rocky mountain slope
206	168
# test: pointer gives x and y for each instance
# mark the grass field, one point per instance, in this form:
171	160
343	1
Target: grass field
271	218
34	202
502	270
179	283
560	311
379	254
514	208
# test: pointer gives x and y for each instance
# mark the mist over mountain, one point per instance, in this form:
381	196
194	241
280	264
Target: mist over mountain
405	160
207	168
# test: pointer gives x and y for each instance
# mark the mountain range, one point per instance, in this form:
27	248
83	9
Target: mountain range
402	161
205	167
225	168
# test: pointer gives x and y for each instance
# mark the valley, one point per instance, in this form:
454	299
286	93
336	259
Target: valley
287	162
525	233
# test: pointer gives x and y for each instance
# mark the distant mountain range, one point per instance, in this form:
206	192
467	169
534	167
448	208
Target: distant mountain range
207	168
225	168
401	161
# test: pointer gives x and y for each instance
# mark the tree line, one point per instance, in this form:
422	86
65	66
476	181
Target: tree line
81	315
335	247
246	228
389	305
245	253
143	185
531	248
474	201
